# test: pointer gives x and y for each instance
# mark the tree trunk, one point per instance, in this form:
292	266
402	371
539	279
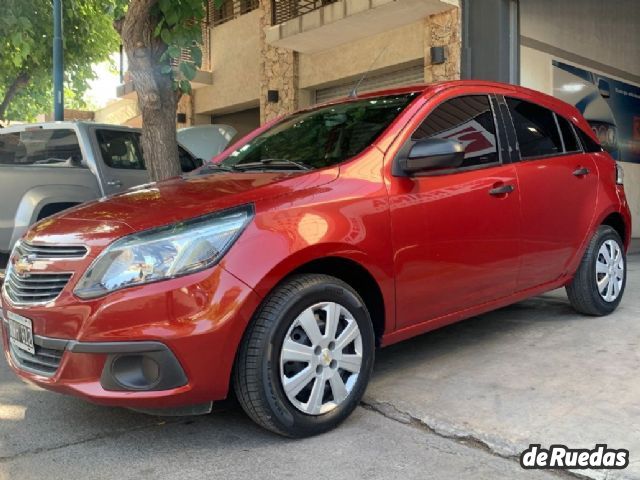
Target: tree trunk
157	99
18	84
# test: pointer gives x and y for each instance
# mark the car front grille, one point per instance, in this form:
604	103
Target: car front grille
45	361
34	287
37	252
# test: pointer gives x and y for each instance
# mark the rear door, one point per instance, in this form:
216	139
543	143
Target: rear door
558	188
456	235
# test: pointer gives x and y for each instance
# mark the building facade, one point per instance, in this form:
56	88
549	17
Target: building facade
266	58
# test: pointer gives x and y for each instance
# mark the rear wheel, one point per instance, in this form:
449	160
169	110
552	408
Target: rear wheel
599	283
306	358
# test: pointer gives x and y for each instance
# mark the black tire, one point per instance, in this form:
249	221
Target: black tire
257	377
583	290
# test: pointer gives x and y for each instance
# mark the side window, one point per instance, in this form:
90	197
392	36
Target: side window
120	149
468	120
536	129
568	135
588	143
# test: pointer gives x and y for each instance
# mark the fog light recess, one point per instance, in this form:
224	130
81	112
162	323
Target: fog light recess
139	366
135	372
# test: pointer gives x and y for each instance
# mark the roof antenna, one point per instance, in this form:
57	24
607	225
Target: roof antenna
354	91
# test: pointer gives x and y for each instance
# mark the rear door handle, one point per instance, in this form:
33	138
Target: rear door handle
502	190
114	183
581	172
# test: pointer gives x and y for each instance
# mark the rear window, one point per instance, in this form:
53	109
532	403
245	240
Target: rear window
536	129
40	147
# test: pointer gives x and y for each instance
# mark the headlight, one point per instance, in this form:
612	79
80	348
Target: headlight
164	253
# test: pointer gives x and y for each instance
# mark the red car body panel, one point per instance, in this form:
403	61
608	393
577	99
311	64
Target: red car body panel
416	237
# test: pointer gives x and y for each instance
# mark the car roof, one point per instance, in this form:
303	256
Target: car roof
436	87
64	124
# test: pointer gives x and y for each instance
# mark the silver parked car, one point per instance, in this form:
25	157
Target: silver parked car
48	167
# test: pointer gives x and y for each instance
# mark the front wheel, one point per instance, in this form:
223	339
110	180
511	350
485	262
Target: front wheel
599	283
306	358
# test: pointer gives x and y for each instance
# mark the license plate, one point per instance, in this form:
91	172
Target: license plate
21	332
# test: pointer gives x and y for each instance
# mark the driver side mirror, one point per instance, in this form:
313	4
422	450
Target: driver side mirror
432	154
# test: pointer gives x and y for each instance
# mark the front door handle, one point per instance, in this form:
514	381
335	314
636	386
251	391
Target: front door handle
581	172
114	183
502	190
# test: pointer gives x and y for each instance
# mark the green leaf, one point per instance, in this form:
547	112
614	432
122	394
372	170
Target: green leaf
188	70
166	69
158	29
196	56
166	36
185	86
164	5
16	38
171	17
174	51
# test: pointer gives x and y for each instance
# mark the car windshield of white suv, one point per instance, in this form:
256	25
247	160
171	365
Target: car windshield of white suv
318	138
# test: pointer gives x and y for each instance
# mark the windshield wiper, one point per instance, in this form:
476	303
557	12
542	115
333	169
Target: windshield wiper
216	167
268	162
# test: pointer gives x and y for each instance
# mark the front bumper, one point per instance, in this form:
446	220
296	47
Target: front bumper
162	346
128	366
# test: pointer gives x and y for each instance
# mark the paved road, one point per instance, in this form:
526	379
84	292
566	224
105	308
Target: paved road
534	372
458	403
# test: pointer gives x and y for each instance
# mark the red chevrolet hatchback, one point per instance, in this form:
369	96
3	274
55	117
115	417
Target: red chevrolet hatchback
277	269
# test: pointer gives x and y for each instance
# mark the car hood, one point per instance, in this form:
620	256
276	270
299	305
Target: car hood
156	204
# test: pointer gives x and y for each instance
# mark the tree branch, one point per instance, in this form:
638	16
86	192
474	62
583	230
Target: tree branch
21	81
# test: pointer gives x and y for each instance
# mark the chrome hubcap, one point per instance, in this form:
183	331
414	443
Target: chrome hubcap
321	358
610	270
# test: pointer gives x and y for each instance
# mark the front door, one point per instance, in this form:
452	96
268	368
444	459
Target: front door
456	235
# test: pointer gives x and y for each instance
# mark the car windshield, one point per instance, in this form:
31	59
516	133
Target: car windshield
321	137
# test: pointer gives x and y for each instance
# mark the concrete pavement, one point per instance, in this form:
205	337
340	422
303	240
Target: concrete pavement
44	435
457	403
534	372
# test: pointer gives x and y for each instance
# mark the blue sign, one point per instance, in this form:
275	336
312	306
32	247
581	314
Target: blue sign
611	107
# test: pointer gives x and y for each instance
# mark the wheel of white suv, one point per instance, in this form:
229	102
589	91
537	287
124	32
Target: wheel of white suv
599	283
306	358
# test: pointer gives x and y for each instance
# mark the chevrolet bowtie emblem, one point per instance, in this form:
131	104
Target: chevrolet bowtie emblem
23	265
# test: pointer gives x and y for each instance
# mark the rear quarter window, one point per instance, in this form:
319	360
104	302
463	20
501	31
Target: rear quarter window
40	148
588	143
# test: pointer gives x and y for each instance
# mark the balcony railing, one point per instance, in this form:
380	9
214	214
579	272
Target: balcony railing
228	10
283	10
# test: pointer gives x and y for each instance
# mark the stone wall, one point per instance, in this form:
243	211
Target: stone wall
278	71
185	105
443	29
